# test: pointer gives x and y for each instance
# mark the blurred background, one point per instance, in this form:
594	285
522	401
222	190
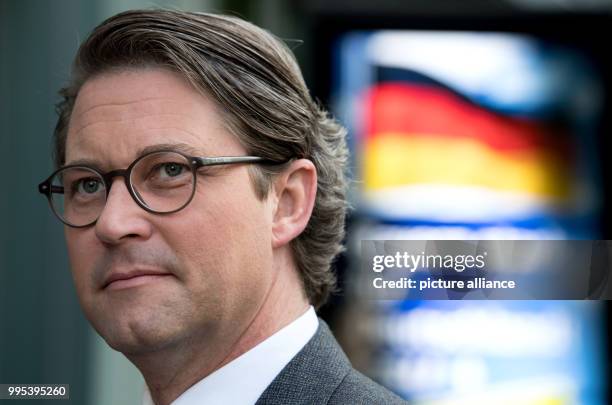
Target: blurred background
468	120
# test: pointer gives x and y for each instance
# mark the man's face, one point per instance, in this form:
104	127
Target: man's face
213	258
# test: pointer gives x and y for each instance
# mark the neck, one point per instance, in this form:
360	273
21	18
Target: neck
171	371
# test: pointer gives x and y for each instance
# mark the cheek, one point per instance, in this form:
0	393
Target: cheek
226	240
79	249
82	252
218	232
223	212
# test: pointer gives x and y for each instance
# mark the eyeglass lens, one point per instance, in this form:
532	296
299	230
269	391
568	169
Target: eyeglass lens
162	181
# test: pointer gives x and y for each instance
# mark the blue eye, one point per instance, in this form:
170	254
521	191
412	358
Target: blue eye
173	169
88	185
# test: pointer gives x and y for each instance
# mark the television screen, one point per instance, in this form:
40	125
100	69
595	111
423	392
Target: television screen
475	135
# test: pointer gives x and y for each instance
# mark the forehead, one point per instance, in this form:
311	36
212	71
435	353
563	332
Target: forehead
119	113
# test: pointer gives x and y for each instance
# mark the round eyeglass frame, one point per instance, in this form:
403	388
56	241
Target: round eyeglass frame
195	163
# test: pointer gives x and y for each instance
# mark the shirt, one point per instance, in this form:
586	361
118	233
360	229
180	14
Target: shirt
254	369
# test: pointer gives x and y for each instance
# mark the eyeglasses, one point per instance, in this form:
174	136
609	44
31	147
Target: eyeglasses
161	182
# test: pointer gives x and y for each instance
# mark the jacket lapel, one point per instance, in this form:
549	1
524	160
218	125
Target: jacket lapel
312	375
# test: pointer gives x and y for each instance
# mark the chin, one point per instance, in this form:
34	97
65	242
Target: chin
138	336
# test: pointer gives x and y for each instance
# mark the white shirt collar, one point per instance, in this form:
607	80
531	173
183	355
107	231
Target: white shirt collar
255	369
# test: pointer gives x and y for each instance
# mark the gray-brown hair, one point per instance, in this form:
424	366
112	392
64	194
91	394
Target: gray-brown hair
258	87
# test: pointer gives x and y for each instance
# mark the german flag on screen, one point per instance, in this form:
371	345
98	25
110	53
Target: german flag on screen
431	138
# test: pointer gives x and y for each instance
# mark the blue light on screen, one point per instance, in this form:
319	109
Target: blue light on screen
454	174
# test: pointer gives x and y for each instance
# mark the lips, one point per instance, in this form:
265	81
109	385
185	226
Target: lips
120	280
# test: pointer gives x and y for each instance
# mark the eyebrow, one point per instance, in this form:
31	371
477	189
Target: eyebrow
178	147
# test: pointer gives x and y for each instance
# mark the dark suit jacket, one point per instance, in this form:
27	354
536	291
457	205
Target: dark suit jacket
322	374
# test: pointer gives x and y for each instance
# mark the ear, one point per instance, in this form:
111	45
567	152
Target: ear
295	190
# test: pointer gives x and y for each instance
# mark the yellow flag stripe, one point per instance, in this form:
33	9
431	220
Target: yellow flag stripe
392	160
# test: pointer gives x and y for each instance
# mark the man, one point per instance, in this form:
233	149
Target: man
203	193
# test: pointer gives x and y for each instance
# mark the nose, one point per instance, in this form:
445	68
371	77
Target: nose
122	218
